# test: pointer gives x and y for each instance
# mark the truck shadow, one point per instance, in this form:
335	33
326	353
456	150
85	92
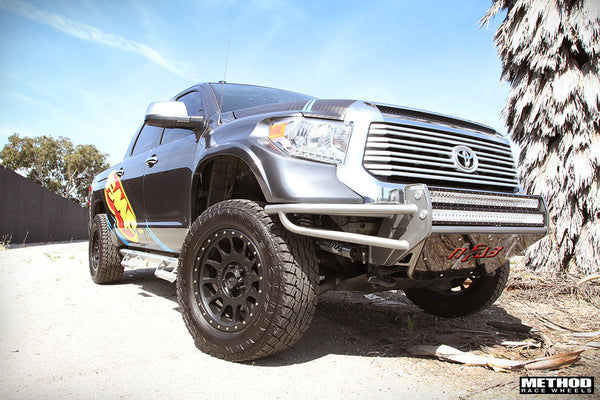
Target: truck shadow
385	325
380	325
149	284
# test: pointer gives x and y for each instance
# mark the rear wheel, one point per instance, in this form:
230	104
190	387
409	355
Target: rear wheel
104	257
246	286
465	297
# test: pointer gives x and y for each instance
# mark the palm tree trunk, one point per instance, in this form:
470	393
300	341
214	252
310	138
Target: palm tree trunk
550	51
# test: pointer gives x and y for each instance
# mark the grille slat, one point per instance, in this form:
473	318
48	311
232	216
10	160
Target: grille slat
383	155
437	172
443	137
405	154
410	146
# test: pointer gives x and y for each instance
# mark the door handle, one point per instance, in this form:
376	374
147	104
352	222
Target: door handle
152	160
120	172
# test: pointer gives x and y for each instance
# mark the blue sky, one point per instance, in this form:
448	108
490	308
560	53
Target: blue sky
88	69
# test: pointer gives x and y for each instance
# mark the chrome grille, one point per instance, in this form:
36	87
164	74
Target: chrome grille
407	154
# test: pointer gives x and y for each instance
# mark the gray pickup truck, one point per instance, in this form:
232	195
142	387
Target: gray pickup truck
256	200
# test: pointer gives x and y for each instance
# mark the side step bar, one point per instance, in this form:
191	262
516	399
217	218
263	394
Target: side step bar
166	267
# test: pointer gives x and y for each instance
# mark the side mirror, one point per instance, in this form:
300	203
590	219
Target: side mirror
172	114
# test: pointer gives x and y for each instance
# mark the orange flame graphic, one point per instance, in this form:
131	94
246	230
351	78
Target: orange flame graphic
119	205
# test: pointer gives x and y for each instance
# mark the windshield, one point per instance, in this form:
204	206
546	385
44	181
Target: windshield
236	97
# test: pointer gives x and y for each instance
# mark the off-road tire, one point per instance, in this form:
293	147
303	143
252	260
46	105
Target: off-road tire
104	256
246	286
482	292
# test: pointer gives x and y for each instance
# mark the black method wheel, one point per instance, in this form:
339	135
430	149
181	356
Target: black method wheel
246	287
105	260
229	277
465	297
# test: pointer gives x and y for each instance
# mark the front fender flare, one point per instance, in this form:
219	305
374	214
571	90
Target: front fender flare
285	179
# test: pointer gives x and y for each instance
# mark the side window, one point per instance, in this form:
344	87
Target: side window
145	139
193	102
195	106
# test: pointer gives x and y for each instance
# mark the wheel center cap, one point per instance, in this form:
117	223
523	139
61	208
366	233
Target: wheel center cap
233	280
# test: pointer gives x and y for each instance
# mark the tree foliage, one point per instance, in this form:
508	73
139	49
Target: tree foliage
56	164
550	50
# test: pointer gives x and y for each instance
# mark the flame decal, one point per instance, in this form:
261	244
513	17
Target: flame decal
119	205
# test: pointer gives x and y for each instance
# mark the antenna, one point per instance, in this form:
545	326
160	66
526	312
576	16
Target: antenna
228	46
225	72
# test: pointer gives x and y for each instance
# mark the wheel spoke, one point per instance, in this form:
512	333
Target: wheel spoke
252	277
230	302
237	314
226	314
214	297
224	254
213	263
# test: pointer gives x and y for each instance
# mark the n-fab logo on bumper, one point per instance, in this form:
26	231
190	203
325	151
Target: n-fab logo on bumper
479	251
556	385
120	207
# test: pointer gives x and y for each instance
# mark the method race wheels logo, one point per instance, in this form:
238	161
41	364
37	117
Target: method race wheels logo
119	205
556	385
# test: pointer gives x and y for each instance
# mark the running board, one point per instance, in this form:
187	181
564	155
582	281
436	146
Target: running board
166	267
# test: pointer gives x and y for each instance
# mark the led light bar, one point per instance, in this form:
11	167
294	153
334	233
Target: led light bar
486	217
478	199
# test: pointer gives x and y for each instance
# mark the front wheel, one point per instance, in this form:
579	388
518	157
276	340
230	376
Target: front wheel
465	297
246	286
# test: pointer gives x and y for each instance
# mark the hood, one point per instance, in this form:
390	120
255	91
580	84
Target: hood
336	109
331	109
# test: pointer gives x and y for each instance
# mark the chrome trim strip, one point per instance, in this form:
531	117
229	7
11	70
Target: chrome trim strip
363	210
344	236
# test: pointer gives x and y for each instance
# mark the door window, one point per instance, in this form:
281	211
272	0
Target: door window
195	106
145	139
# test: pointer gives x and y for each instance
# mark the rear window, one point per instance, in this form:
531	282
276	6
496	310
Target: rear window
235	97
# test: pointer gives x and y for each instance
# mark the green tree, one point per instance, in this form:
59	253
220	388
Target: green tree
550	51
56	164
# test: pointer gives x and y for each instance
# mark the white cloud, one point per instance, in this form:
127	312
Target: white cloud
91	33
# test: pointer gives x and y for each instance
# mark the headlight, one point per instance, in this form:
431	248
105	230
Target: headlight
314	139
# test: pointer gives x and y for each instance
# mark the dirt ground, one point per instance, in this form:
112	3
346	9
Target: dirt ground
63	337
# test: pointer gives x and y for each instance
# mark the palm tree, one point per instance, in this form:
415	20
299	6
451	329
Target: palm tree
550	51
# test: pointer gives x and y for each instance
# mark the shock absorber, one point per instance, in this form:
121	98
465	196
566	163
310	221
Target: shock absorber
340	249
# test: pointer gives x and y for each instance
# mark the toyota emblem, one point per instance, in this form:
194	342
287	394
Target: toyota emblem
465	159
